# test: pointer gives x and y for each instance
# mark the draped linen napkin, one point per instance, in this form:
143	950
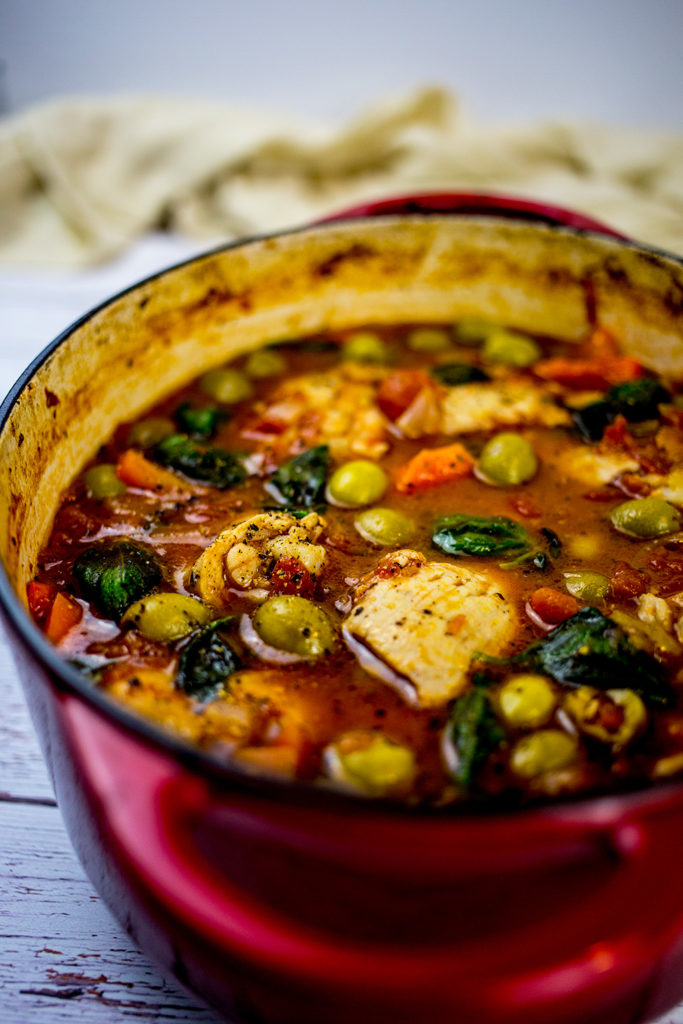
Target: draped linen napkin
81	178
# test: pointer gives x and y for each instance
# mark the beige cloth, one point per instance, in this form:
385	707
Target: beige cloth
81	178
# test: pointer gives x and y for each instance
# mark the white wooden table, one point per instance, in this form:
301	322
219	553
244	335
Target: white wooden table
62	956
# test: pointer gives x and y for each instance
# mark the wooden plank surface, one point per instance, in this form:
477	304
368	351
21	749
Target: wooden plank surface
62	956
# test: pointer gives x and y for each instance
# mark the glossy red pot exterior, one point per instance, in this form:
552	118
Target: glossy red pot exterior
291	906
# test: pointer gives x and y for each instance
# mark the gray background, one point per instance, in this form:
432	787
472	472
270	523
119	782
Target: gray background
607	60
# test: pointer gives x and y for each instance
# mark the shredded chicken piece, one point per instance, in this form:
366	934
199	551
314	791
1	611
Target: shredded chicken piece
243	555
671	487
490	404
653	609
595	468
417	624
335	408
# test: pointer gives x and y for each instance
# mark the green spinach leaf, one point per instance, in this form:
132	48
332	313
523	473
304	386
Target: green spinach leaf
301	481
590	649
463	534
638	399
452	374
200	422
214	466
207	661
113	575
472	733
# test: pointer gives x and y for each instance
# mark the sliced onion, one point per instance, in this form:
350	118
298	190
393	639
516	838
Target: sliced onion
263	650
375	666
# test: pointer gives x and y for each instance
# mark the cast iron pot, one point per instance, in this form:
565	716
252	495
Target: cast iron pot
288	904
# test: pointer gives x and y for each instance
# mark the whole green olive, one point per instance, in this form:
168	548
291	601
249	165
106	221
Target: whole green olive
226	385
508	459
428	339
385	527
378	767
473	331
292	623
167	617
266	362
356	483
510	348
645	517
147	433
366	347
590	587
543	751
527	700
102	481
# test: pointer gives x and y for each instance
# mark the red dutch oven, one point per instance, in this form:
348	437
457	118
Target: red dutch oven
289	904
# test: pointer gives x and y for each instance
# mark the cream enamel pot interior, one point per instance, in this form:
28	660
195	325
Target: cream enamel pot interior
284	903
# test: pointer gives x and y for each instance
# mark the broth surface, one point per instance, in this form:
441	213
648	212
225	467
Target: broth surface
393	656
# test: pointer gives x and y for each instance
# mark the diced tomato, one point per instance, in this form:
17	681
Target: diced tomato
434	466
137	471
398	390
626	581
40	599
263	427
525	507
552	606
668	565
290	576
64	615
589	374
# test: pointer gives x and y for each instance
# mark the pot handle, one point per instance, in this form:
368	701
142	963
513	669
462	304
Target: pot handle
147	805
480	204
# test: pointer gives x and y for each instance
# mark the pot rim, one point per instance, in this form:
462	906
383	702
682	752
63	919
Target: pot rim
298	793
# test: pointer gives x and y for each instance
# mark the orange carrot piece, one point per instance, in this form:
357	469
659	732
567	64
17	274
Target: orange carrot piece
64	615
434	466
589	374
601	344
40	598
137	471
552	606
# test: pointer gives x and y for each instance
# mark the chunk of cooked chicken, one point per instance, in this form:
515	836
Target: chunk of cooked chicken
482	405
336	408
244	555
416	624
593	467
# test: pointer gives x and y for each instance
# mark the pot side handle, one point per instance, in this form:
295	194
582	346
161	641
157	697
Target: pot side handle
481	204
148	804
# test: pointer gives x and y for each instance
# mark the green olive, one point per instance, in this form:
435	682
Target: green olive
646	517
167	617
379	767
510	348
527	701
102	481
292	623
147	433
357	483
544	751
508	459
594	713
590	587
366	347
266	362
473	331
385	527
428	339
226	385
